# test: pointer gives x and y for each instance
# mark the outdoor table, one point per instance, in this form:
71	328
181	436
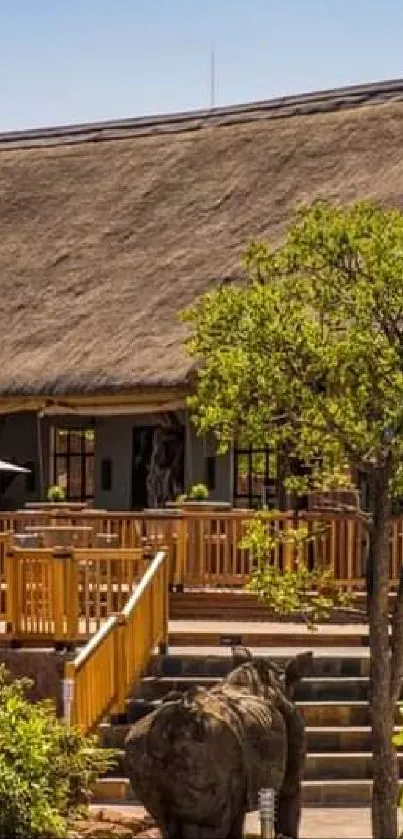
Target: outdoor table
26	540
63	535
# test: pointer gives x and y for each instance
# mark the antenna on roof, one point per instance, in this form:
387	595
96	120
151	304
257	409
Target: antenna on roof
212	79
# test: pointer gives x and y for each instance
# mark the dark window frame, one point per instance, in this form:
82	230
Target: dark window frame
70	456
249	498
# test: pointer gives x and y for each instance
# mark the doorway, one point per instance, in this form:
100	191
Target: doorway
158	465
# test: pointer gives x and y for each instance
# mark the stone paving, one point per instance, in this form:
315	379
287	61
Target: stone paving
317	823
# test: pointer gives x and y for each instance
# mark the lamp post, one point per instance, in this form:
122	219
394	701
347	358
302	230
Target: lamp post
266	800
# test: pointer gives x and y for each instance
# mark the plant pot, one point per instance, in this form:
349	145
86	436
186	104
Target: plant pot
206	505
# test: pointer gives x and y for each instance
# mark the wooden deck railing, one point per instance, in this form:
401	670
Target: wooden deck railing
5	542
62	595
99	678
151	531
202	547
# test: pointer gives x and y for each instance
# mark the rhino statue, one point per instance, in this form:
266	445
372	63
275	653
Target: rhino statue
198	762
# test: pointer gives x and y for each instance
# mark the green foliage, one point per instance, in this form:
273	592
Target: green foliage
290	590
56	494
308	353
198	492
46	769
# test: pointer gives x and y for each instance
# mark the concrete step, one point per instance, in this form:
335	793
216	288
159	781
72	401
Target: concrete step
343	688
335	714
211	603
316	714
335	738
112	790
332	688
320	739
324	766
210	661
255	635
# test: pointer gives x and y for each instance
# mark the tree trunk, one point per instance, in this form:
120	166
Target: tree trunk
385	777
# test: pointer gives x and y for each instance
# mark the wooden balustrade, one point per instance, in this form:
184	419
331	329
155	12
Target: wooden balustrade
5	542
104	578
67	594
64	595
99	679
150	530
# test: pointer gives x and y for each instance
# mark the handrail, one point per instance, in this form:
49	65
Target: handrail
95	641
99	678
144	582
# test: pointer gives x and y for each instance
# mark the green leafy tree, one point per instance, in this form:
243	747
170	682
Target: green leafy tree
289	590
307	356
46	768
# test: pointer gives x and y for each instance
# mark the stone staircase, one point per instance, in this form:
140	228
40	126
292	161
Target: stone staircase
333	701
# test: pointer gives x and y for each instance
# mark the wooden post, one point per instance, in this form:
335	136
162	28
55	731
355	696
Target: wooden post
288	547
163	645
59	559
72	605
181	553
11	579
120	665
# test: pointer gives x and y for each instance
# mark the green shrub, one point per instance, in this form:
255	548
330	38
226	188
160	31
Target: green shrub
46	768
56	493
198	492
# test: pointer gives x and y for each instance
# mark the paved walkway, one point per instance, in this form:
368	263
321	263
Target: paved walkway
331	823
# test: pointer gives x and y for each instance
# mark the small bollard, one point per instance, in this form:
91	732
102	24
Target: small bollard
266	799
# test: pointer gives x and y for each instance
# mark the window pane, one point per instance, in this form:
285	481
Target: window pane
258	473
60	440
89	440
61	471
76	437
242	463
89	477
75	481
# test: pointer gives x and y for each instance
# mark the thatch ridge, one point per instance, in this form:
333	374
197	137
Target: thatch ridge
103	242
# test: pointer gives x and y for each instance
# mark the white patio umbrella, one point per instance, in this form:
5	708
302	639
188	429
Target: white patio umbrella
12	467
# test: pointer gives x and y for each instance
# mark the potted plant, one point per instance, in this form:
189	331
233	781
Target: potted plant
198	497
198	492
55	494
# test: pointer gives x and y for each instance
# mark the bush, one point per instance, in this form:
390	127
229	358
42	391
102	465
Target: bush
46	768
56	493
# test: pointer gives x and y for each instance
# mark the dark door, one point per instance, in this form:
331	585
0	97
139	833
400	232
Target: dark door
142	452
158	465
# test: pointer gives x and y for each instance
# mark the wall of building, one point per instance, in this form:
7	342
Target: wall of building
198	450
19	442
113	441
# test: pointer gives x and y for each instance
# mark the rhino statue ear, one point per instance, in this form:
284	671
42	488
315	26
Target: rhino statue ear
241	655
297	668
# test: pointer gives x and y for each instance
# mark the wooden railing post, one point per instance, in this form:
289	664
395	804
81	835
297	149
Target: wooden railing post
181	554
59	591
72	597
163	645
120	665
12	589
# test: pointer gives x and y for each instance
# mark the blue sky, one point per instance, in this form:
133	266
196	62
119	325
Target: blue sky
67	61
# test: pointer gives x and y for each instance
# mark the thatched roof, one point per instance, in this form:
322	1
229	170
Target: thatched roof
108	230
